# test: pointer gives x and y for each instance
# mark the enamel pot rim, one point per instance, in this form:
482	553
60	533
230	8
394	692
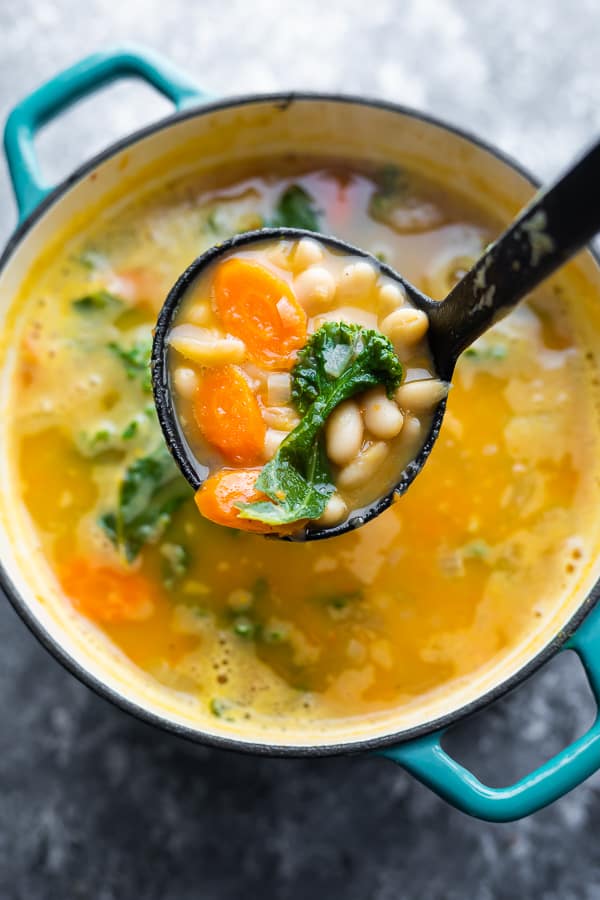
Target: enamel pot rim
283	99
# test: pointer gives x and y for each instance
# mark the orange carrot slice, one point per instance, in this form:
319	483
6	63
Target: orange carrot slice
140	286
229	416
218	496
260	309
106	594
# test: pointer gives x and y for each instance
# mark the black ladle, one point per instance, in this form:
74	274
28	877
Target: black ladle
557	222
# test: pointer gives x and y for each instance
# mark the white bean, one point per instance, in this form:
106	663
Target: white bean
381	415
391	296
186	382
361	469
344	433
315	286
279	254
418	396
358	280
308	253
273	439
199	314
412	434
334	513
352	314
206	347
279	387
405	325
282	418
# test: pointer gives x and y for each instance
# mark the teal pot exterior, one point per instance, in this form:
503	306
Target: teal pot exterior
416	748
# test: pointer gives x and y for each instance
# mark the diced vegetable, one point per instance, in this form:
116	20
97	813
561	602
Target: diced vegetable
392	187
97	301
229	416
396	204
296	209
486	352
136	360
244	627
477	549
339	361
221	708
103	438
141	286
130	430
90	259
106	594
342	599
151	490
260	309
176	561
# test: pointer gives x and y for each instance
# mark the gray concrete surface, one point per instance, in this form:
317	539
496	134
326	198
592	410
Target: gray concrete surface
96	805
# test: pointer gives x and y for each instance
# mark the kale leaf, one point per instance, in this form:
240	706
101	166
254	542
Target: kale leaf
151	490
96	301
295	209
136	360
392	187
339	361
176	562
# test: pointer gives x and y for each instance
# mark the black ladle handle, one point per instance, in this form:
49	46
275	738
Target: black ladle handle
558	221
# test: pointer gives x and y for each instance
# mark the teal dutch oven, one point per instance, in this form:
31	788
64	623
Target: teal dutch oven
214	133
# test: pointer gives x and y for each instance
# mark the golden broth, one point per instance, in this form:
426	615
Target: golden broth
455	575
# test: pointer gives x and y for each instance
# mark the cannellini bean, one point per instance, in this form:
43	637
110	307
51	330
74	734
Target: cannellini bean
352	314
358	280
361	469
344	433
334	513
206	347
282	418
279	387
308	252
315	286
279	254
199	314
418	396
273	439
186	382
391	296
412	433
405	325
381	415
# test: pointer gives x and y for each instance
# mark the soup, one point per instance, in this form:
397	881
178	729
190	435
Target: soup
289	353
258	634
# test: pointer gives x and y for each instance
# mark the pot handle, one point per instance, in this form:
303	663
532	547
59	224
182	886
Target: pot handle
429	763
66	88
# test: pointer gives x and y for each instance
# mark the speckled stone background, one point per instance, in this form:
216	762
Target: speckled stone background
94	804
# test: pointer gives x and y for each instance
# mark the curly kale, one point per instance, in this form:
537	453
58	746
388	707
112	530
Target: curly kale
295	209
339	361
151	490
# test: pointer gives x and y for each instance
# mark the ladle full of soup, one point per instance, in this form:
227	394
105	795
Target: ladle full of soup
306	394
